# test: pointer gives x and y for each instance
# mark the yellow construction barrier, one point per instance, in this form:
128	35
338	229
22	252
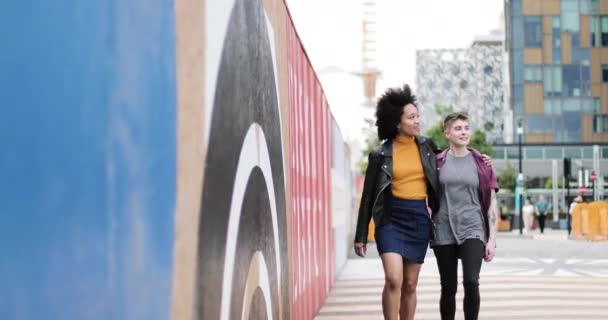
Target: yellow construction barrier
604	221
590	221
575	221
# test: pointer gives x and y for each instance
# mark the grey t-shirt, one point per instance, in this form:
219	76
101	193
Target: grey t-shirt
459	217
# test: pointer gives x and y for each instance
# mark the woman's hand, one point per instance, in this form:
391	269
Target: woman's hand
360	249
486	158
490	250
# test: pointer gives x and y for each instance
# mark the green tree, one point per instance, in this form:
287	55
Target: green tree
443	110
478	141
507	178
436	132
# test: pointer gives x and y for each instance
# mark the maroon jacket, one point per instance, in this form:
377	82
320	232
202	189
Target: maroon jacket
487	183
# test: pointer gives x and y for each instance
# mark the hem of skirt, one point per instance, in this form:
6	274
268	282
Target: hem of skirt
403	256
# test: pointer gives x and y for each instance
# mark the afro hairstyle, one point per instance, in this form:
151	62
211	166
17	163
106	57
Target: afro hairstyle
389	110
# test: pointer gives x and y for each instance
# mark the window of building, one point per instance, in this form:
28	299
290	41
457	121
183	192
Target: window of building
585	84
556	39
548	106
533	73
595	104
569	5
518	106
572	153
587	153
576	39
552	106
488	69
575	54
518	91
570	21
594	6
587	105
516	6
518	63
572	126
605	73
552	79
571	104
600	123
594	29
532	31
571	80
598	26
534	153
518	32
555	23
499	153
538	123
604	30
585	6
512	153
584	56
553	153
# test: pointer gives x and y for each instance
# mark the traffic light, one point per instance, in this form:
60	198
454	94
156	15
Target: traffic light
567	167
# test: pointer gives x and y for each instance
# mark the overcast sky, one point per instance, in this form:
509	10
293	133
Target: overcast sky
331	33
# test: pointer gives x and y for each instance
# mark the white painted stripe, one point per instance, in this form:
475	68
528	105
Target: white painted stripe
254	153
257	280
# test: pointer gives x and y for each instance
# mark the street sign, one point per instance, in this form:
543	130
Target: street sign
593	176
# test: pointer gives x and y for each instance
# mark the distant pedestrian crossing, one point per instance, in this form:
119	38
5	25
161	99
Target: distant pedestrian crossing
502	297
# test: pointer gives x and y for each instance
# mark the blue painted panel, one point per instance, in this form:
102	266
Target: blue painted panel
88	138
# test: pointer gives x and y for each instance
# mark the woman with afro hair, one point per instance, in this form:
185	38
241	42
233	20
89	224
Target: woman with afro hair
400	191
400	180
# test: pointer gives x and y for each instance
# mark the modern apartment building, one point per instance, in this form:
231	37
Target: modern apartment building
469	79
558	69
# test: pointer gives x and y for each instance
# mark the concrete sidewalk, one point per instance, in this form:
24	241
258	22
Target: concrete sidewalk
534	276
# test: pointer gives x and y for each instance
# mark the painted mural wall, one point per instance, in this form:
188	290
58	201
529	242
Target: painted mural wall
267	179
166	160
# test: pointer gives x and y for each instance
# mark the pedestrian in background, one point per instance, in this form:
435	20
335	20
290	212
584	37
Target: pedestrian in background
467	219
542	207
528	211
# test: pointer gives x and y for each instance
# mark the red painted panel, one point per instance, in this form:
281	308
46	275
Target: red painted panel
311	236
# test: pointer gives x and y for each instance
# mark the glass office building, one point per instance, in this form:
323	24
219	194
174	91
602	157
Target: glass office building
558	53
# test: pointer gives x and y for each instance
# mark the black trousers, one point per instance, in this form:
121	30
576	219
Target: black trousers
471	253
541	222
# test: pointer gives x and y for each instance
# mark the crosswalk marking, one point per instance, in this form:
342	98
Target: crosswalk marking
502	297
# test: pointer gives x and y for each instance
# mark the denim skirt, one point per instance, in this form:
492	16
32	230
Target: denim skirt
409	231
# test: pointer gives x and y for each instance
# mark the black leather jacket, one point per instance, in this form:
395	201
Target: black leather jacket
377	184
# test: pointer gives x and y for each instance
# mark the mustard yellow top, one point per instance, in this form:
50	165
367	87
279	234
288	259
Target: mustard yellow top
408	175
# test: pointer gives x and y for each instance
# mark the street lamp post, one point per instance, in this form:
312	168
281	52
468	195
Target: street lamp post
520	177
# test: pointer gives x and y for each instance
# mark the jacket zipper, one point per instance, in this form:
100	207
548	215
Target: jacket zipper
378	195
383	187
